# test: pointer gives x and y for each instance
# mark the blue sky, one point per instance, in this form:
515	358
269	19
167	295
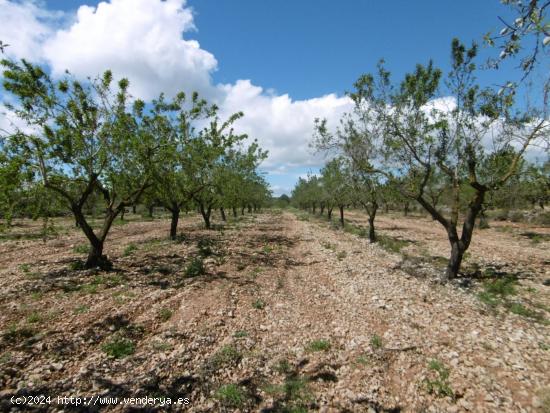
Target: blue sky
281	62
309	48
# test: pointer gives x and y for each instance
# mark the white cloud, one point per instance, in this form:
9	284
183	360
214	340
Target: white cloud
142	40
138	39
24	27
282	126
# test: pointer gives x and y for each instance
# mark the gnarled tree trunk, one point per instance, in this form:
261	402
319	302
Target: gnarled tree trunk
175	210
205	214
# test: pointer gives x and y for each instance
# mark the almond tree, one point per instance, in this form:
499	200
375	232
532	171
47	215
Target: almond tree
336	181
174	124
81	138
424	136
204	162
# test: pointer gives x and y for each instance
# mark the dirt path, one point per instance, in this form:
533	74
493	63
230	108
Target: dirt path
291	315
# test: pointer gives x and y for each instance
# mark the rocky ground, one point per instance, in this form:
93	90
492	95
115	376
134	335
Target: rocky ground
278	312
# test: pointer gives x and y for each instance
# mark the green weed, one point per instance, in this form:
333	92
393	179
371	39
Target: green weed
439	384
195	268
318	345
119	347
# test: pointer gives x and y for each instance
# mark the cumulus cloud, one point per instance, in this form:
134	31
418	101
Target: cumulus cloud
283	126
139	39
25	26
143	41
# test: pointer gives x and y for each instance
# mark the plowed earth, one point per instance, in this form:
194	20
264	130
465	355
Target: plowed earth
290	314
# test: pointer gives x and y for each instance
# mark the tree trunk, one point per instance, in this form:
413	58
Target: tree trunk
406	209
372	232
322	209
313	208
460	245
341	215
133	209
150	209
175	210
122	214
329	213
205	215
249	209
234	212
483	221
222	213
95	255
457	253
242	210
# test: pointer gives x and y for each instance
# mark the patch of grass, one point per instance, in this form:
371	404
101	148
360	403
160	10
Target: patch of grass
329	246
16	333
77	265
318	345
502	287
81	309
520	309
355	230
89	288
5	358
255	272
376	342
392	244
81	248
505	229
195	268
302	217
119	347
34	318
165	314
294	393
536	237
259	304
37	295
26	268
231	395
283	367
488	299
498	292
363	360
108	280
494	291
205	247
267	249
240	334
225	356
341	255
439	383
130	248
